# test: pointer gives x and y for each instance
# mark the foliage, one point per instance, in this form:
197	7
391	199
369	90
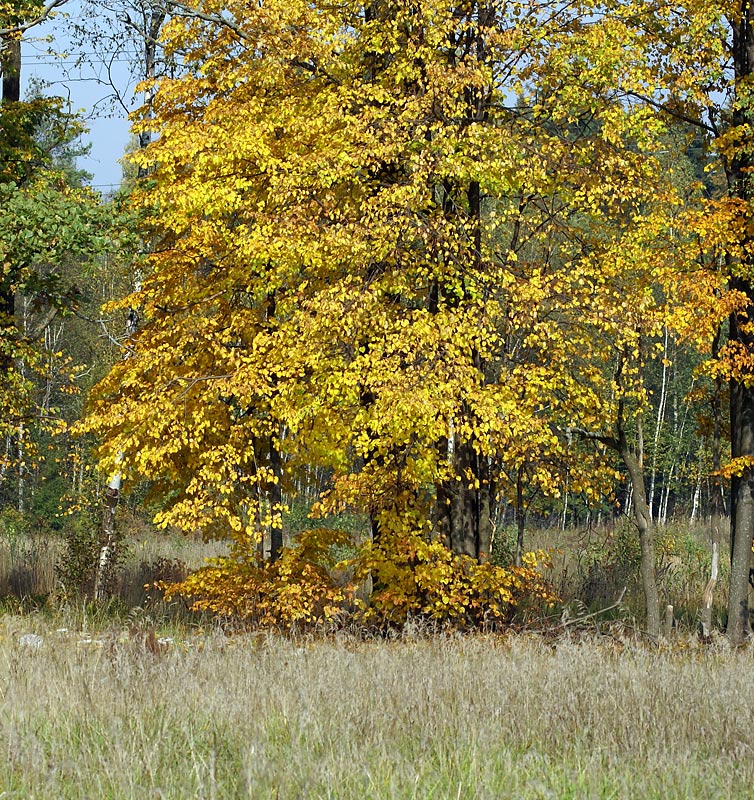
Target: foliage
609	563
298	518
412	578
76	568
420	579
397	274
296	590
504	546
54	239
14	525
429	251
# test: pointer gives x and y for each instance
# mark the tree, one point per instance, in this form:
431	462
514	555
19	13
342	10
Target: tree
696	64
52	231
400	242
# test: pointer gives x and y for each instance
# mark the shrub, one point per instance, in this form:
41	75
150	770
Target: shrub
411	578
297	589
417	578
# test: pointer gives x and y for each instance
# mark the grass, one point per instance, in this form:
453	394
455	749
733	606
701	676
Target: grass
592	566
28	562
210	716
154	703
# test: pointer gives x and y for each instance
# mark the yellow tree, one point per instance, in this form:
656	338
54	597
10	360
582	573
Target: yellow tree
692	62
401	241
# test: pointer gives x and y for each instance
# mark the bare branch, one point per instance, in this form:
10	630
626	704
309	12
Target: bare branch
591	436
42	324
181	10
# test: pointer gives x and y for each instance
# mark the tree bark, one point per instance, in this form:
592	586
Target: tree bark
646	539
11	68
463	507
108	553
738	169
742	509
276	501
520	518
149	31
104	568
658	429
10	65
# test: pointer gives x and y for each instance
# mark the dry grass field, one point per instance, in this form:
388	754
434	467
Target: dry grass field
137	700
116	713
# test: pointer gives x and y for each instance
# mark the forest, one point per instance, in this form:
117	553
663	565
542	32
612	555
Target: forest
439	281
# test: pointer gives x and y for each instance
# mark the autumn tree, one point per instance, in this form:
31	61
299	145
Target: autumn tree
697	68
52	231
423	247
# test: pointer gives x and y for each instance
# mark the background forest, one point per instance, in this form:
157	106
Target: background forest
419	310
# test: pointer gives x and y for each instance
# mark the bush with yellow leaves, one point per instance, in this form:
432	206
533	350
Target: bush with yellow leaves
416	578
412	578
299	589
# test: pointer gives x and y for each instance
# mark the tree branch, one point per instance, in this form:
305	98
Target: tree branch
181	10
591	436
673	113
43	15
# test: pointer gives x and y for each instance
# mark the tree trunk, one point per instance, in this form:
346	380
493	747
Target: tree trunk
276	501
150	31
10	47
665	496
738	170
463	505
21	467
742	510
485	494
104	568
108	547
10	65
658	429
646	539
520	519
463	508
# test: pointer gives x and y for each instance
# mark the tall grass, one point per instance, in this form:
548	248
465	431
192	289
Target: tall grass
263	717
29	561
593	566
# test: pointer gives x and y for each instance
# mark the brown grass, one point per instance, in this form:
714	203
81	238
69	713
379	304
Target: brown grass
209	716
28	562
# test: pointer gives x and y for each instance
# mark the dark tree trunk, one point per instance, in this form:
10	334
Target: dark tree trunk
10	49
464	503
717	505
11	68
276	501
520	519
150	32
632	459
463	507
738	168
742	506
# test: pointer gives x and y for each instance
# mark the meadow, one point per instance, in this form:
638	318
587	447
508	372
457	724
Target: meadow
136	699
122	713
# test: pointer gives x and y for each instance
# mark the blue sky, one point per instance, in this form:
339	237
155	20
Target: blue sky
85	86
